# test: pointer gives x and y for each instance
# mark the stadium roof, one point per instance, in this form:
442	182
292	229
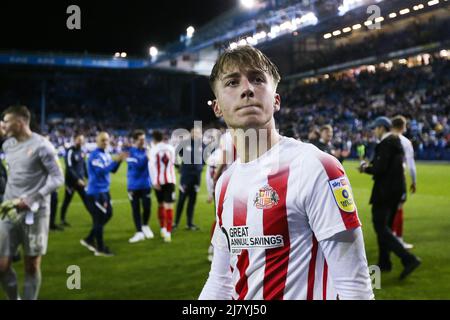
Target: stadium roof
267	24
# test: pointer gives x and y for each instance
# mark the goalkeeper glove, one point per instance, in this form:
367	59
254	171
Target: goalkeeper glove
8	209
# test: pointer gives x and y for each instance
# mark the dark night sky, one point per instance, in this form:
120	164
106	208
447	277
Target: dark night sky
106	26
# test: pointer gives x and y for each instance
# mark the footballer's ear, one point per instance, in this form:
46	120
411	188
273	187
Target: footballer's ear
216	108
277	102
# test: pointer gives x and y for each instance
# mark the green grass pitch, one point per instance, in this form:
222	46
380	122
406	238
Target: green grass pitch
155	270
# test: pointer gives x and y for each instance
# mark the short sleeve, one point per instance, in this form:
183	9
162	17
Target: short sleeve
328	198
49	156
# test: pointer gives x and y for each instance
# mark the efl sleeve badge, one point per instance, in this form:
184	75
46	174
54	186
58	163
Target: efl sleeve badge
342	193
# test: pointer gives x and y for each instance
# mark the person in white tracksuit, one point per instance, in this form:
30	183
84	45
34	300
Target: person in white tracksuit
399	127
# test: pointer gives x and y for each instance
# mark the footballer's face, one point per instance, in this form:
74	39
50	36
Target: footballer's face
12	125
326	135
103	140
2	129
140	141
246	98
79	140
379	131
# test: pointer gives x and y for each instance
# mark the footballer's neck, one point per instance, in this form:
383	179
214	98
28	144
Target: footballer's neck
252	143
24	135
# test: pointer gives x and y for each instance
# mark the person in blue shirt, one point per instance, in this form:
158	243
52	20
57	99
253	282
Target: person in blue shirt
139	187
98	199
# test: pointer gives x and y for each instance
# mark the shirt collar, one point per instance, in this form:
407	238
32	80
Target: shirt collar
387	134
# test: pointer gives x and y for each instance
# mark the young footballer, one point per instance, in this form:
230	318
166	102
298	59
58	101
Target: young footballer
287	225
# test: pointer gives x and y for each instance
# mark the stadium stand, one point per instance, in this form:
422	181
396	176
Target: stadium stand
350	100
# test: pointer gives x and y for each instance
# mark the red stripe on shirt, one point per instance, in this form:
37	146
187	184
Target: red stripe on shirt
325	279
223	190
335	170
158	168
242	284
166	168
312	269
240	219
275	223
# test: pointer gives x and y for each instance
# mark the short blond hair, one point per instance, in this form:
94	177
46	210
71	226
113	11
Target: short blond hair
18	111
243	57
326	127
398	122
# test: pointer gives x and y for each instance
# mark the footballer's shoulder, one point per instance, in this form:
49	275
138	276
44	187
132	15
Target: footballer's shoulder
226	173
300	149
313	157
9	142
36	137
94	153
40	141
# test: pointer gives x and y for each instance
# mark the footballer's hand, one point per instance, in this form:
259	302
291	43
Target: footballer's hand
122	156
210	199
412	188
157	187
21	205
81	183
362	166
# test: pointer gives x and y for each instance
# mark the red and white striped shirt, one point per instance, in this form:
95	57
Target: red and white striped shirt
272	214
162	164
228	149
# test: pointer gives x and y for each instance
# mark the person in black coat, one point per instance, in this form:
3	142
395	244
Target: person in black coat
325	144
191	153
76	173
388	191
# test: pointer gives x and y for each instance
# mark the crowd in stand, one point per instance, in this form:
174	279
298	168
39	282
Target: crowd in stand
351	100
348	101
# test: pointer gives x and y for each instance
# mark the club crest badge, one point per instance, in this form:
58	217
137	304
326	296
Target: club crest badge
30	152
266	198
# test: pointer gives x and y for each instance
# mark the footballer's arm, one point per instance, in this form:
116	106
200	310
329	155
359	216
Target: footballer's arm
218	286
347	264
381	162
336	225
55	177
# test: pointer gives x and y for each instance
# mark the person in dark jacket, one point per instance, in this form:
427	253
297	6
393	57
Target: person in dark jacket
325	144
76	173
3	172
388	190
191	152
